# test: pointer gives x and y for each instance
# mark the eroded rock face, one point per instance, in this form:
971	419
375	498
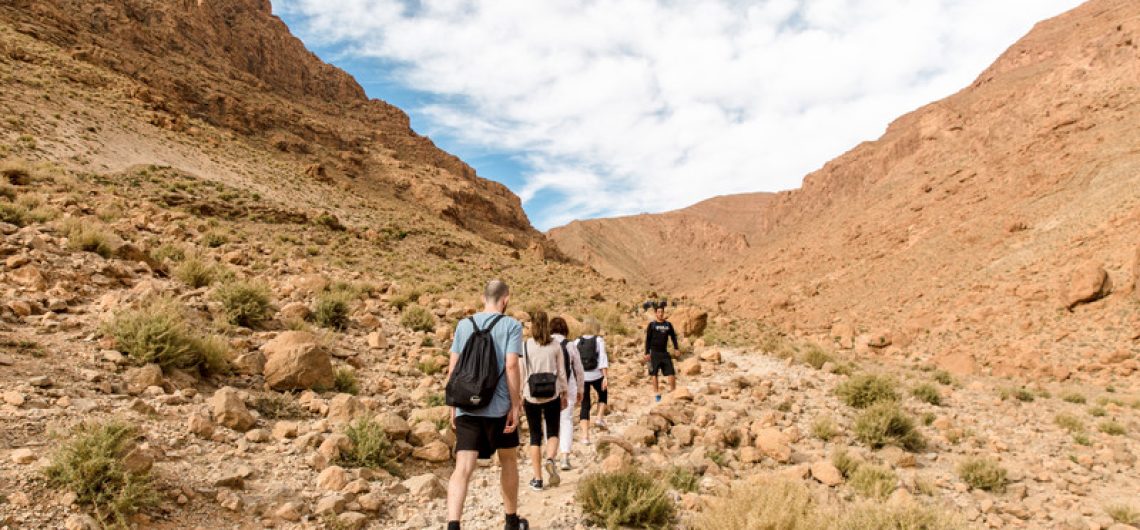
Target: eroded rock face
295	360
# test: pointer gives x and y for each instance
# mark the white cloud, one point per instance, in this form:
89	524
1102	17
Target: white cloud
623	106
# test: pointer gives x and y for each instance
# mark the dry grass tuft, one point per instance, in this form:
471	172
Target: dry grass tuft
774	503
626	498
864	390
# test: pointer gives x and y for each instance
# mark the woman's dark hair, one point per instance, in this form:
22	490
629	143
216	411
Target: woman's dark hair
540	327
559	326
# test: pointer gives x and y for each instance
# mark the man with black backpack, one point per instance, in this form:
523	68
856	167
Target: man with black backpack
483	390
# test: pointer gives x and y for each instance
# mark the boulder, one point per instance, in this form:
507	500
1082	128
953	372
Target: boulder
138	379
639	434
333	478
295	360
294	311
425	486
844	335
690	321
394	426
826	473
711	356
436	451
1087	283
691	366
229	410
23	456
351	520
774	444
200	426
344	407
377	340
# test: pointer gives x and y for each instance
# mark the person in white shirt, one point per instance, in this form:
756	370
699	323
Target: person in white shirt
576	382
591	349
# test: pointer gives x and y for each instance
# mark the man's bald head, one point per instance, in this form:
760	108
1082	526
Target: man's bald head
496	292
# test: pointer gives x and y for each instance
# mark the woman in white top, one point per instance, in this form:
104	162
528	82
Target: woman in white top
575	384
591	350
542	371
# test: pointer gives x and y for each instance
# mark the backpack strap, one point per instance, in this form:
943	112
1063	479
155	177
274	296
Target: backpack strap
490	326
566	357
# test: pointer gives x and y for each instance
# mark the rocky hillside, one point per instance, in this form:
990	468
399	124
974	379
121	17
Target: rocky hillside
668	250
233	66
991	231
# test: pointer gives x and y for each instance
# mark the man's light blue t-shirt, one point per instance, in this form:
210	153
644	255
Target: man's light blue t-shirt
508	339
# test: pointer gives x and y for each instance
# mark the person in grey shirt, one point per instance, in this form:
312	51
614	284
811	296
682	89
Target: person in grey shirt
494	428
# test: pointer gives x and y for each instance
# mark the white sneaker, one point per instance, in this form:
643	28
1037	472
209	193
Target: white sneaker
601	423
552	473
565	463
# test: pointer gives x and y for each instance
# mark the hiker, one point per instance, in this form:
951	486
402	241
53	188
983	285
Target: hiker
657	336
575	383
544	396
483	427
591	349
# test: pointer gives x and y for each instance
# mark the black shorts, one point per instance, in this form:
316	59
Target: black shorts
661	362
485	435
539	415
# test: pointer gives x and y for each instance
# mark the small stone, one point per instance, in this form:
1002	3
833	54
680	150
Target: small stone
40	381
427	486
352	520
826	473
371	502
23	456
436	451
257	436
333	478
200	426
289	511
229	410
138	461
13	398
142	407
81	522
283	430
330	504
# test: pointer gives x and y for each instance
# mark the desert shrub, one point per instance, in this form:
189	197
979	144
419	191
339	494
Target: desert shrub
845	463
1081	438
213	354
1112	428
90	464
169	252
245	303
775	504
370	446
815	356
983	474
431	367
904	516
344	380
611	318
875	482
90	238
886	424
13	214
1074	397
16	173
1123	514
1097	412
196	272
330	221
7	192
417	318
276	406
1069	422
157	332
863	390
625	498
683	479
435	400
331	310
1021	394
824	428
215	239
943	377
927	393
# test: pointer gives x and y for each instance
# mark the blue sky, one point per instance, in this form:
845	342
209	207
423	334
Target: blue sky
590	108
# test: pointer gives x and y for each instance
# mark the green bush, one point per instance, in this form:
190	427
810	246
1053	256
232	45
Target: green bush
983	474
90	239
90	464
815	356
344	381
1097	412
370	446
417	318
1069	422
331	311
1112	428
611	318
13	214
927	393
845	463
1074	397
943	377
157	332
1123	514
683	479
875	515
245	303
875	482
771	504
196	272
886	424
625	498
863	390
824	428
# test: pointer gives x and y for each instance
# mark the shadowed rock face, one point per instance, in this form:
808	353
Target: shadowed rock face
961	228
231	63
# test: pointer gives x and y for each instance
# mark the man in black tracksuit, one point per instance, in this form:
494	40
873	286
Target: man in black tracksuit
657	336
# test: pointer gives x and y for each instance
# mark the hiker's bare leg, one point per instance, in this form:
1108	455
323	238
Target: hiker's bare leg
672	383
656	386
509	479
536	460
551	447
465	462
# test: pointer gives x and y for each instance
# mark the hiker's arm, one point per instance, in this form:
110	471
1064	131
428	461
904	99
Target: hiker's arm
673	335
579	372
515	389
648	337
451	368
